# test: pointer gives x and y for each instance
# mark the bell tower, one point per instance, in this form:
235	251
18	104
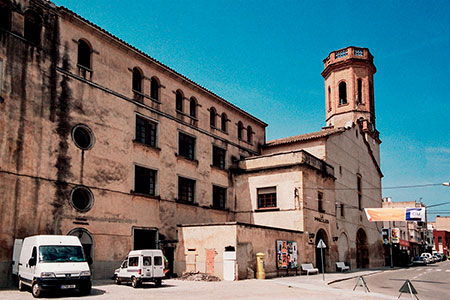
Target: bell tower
349	94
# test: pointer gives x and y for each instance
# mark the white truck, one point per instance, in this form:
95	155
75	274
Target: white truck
53	262
141	266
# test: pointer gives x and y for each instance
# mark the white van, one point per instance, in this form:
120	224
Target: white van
53	262
141	266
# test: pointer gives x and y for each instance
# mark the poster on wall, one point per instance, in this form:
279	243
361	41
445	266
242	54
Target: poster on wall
395	235
286	255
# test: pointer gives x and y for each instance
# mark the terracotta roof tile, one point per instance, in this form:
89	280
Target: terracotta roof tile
304	137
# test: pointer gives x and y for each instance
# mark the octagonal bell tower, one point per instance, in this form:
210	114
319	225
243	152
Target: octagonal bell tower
349	94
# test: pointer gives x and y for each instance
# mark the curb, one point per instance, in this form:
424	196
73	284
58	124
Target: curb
356	276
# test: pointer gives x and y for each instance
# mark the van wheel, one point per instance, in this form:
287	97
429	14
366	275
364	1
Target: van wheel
36	290
158	282
85	290
134	282
21	286
116	280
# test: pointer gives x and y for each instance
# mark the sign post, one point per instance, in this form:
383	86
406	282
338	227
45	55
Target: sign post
321	245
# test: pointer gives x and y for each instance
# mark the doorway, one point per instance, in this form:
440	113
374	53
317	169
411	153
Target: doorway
362	250
321	235
145	238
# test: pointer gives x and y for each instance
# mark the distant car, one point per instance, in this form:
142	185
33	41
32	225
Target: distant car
419	261
437	257
428	257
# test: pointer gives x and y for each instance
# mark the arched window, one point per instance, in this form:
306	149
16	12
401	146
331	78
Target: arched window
84	54
154	88
179	101
239	129
329	98
212	117
249	134
223	122
193	107
32	27
5	15
137	80
342	93
359	96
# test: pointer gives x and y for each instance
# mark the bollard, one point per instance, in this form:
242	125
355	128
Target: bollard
260	273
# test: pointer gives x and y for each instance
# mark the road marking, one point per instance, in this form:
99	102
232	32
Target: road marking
438	270
447	270
428	270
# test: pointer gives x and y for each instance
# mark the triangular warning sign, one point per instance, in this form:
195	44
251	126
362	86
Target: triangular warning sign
407	287
321	244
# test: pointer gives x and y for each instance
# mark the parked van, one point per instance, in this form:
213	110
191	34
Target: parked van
53	262
141	266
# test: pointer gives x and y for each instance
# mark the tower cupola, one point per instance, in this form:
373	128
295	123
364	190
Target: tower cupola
349	94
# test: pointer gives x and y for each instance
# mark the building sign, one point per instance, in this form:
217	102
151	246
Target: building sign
321	220
385	234
286	255
396	214
395	235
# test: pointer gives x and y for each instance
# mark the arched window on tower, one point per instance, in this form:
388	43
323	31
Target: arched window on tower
84	55
179	101
329	98
212	117
5	15
193	107
223	122
154	88
137	80
359	95
32	27
249	134
240	127
342	93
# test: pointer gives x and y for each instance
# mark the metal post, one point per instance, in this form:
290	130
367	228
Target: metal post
323	269
390	244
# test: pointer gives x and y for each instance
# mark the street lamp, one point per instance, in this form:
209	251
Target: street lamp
446	183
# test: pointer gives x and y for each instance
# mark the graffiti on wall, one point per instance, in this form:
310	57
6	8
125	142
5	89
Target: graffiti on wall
286	255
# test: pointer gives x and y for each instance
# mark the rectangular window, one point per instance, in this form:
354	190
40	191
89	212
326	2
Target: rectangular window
218	157
342	210
186	146
267	197
186	190
219	197
439	240
359	186
133	261
145	131
1	78
144	181
320	202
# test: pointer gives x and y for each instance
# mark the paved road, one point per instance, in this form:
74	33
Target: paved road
432	282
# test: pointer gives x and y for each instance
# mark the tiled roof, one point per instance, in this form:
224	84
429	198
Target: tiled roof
68	11
305	137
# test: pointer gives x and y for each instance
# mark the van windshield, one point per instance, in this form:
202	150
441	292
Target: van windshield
61	254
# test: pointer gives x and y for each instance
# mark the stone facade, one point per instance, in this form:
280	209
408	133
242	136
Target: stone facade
101	141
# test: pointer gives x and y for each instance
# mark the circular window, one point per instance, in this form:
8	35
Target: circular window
82	198
83	137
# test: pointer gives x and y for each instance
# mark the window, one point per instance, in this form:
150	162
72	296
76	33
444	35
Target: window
133	261
179	101
219	197
32	27
212	117
81	198
439	239
320	202
186	146
137	80
144	181
84	54
147	261
154	88
239	130
186	190
83	137
342	93
218	157
223	122
359	97
193	107
1	83
158	260
267	197
342	210
145	131
329	98
359	187
5	16
249	134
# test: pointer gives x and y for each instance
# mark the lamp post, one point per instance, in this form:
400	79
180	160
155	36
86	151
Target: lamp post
446	183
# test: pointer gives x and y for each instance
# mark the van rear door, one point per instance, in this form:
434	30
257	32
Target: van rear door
16	256
158	266
147	266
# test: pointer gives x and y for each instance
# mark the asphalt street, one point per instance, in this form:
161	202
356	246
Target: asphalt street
432	282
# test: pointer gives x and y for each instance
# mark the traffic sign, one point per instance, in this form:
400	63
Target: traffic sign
321	245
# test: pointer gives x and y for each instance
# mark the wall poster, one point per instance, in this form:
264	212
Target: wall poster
286	255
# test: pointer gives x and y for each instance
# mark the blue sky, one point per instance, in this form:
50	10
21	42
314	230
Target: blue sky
266	57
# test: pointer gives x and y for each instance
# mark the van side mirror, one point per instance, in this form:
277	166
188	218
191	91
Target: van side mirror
32	261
